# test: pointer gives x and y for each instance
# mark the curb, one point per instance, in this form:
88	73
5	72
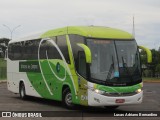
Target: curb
3	81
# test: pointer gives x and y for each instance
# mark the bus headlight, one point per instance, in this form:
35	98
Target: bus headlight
138	90
99	91
96	90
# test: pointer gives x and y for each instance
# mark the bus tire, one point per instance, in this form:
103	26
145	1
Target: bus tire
67	98
111	107
22	91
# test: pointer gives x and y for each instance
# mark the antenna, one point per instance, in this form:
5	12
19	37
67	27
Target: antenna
133	29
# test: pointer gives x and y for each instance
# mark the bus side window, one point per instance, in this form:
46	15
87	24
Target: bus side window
74	39
62	44
17	51
52	52
43	49
82	64
10	51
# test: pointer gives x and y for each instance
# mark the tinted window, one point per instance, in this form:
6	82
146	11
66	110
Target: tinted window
62	44
15	51
82	64
28	50
48	50
25	50
74	39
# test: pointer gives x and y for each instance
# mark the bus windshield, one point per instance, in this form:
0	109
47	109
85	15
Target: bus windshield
114	62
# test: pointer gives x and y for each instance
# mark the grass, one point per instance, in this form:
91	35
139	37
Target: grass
151	79
3	79
3	65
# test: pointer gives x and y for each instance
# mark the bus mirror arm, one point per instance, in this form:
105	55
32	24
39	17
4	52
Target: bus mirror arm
148	52
87	52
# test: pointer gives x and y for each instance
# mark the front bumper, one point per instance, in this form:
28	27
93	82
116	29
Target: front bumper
95	99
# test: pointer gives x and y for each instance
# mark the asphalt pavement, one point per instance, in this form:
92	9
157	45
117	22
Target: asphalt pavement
12	102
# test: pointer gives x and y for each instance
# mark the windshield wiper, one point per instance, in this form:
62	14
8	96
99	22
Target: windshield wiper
124	64
110	69
126	67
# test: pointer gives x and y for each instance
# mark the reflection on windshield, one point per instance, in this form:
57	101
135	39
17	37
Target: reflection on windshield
114	61
128	57
103	59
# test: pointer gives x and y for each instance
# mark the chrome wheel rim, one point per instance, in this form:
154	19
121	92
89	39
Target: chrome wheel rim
68	99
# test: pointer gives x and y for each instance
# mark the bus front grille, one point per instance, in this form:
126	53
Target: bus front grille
119	94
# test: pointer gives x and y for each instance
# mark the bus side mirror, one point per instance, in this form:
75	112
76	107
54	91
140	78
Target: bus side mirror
87	52
148	52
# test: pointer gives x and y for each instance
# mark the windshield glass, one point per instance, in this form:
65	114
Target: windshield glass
128	57
104	59
114	62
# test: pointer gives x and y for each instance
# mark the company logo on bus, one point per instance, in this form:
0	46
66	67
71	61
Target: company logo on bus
58	67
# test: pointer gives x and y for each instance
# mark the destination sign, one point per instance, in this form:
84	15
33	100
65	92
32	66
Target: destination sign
29	66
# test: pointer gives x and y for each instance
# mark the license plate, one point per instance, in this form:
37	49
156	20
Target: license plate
120	101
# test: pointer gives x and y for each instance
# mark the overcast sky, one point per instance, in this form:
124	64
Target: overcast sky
41	15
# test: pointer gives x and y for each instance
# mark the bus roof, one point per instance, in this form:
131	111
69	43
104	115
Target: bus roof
87	31
30	37
90	31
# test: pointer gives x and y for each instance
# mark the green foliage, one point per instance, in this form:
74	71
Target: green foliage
3	69
151	79
143	57
147	73
152	68
158	68
3	63
3	46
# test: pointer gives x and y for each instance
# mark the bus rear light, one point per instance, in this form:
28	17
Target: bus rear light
119	100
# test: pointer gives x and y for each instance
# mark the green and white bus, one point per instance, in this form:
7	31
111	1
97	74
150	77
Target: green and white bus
86	65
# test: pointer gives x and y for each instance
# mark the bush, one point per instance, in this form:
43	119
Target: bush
147	73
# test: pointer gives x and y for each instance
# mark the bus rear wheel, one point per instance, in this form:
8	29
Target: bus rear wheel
67	98
22	91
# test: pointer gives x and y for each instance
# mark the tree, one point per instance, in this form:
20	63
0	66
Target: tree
143	57
158	68
3	46
155	61
154	66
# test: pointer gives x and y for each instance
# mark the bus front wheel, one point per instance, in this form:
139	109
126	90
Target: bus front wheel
22	91
67	98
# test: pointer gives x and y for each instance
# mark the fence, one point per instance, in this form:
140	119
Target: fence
3	72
